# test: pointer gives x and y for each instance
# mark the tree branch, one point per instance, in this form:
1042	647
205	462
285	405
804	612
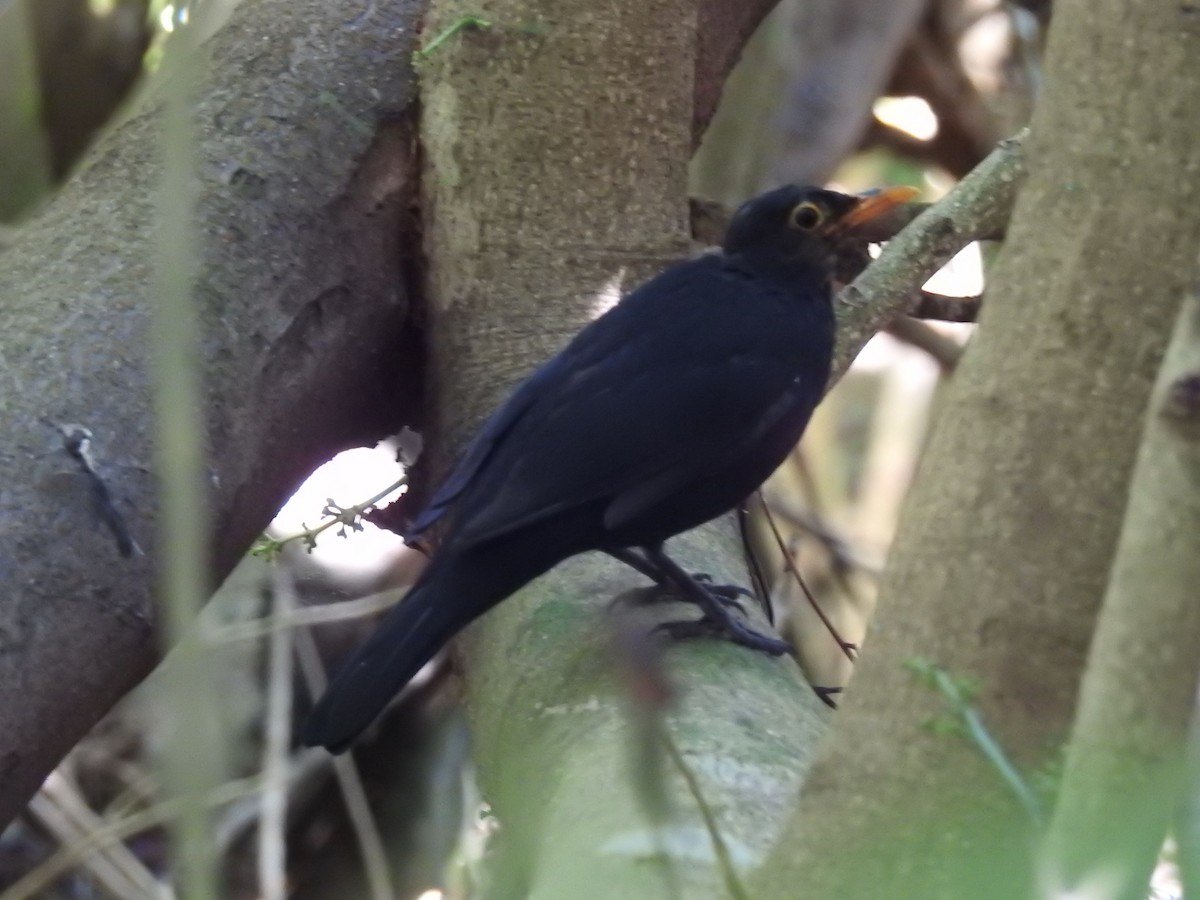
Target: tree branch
927	305
945	351
976	208
722	29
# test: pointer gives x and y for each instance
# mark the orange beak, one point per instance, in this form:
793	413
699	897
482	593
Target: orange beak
871	205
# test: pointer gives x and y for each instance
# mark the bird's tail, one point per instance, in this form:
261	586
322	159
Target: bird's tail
456	589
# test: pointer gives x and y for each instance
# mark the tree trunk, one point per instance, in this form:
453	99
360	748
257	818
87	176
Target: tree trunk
556	177
1125	768
1006	541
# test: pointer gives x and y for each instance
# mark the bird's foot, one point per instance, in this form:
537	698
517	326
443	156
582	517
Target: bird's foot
725	594
725	591
727	629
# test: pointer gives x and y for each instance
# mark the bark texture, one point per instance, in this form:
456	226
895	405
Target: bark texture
1125	768
1005	545
24	163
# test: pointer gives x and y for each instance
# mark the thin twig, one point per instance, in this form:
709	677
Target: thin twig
845	556
350	517
362	820
306	770
308	615
847	647
816	504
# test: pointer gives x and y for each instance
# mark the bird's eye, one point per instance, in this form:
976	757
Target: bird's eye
806	216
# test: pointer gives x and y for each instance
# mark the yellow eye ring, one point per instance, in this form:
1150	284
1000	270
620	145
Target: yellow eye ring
806	216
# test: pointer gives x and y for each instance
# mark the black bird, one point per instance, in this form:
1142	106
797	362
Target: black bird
663	413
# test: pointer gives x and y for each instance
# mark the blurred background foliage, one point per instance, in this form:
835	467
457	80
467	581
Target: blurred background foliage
68	68
825	93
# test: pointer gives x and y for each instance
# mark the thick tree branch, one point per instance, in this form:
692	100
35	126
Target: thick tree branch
945	309
945	351
841	55
514	273
303	301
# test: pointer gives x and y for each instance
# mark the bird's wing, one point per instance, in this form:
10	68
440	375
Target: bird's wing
592	345
795	401
660	392
477	453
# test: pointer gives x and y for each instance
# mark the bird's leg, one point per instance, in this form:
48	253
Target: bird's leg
717	620
726	594
635	560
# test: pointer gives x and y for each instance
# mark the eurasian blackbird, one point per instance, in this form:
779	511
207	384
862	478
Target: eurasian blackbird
663	413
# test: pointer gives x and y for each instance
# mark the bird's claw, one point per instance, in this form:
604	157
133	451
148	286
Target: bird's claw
725	594
728	630
724	590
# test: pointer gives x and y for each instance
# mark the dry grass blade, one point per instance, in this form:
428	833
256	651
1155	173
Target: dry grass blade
304	616
106	834
370	843
59	808
272	828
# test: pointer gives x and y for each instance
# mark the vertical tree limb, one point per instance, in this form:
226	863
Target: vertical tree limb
1125	765
1004	547
557	142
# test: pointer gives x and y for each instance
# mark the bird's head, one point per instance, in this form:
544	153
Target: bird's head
796	229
